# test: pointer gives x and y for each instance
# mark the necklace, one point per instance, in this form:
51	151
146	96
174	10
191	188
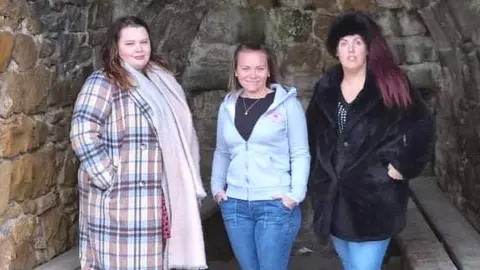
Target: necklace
249	107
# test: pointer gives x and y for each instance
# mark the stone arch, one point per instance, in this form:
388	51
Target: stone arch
453	26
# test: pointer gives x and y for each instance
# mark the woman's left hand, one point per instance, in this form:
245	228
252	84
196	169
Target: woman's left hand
286	201
393	173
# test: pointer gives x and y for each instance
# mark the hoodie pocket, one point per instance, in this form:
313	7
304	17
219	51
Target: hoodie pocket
266	171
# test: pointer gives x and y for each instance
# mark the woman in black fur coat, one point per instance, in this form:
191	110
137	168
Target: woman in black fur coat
369	133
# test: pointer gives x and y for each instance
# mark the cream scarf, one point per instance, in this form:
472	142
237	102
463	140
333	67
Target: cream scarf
182	185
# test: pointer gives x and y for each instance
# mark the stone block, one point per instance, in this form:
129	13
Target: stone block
365	5
302	57
33	174
23	257
46	202
64	92
425	75
205	107
16	9
23	228
220	26
5	176
8	252
29	207
397	47
420	49
288	25
262	3
47	48
410	23
238	3
320	25
53	234
304	82
77	19
177	29
100	14
72	47
24	52
34	25
70	169
97	37
389	23
231	25
97	58
13	211
60	128
67	195
390	4
53	21
26	91
300	4
21	133
6	45
328	6
209	67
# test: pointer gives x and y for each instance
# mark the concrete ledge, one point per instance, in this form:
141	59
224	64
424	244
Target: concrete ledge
66	261
420	248
460	239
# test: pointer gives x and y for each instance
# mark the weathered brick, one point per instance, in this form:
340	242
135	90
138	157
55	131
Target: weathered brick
24	52
27	90
21	133
6	45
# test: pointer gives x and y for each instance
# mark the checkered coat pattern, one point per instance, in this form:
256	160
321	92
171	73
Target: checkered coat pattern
119	178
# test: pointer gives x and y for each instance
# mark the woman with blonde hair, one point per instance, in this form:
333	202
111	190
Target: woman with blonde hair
261	161
139	177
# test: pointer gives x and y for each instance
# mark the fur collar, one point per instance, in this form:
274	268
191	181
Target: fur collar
327	93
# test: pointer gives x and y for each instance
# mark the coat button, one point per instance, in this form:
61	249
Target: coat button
143	146
345	144
143	183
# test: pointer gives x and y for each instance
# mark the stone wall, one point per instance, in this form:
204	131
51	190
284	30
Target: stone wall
46	52
454	28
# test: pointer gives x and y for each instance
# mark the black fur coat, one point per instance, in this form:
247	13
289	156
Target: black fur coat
352	195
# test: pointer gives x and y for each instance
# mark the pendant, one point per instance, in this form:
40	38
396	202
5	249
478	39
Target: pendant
246	113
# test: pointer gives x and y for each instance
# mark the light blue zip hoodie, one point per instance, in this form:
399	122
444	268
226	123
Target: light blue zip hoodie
275	160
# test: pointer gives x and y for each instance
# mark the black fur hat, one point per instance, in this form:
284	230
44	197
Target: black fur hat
350	23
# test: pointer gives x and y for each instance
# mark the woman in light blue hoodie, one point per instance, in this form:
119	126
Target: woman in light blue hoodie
261	161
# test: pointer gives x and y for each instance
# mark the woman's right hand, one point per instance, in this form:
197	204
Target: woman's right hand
221	196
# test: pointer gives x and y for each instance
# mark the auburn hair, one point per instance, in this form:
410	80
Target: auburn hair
390	79
112	63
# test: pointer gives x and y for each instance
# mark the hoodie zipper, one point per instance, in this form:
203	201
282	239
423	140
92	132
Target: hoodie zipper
271	108
246	171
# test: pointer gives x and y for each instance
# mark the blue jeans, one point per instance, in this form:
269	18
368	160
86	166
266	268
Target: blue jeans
261	233
361	255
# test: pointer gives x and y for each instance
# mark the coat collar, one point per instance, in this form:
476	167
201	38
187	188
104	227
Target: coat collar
328	94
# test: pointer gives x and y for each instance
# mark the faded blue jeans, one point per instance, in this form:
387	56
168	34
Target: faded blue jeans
361	255
261	233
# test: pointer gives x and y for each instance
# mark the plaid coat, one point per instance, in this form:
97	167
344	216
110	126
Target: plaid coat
119	178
